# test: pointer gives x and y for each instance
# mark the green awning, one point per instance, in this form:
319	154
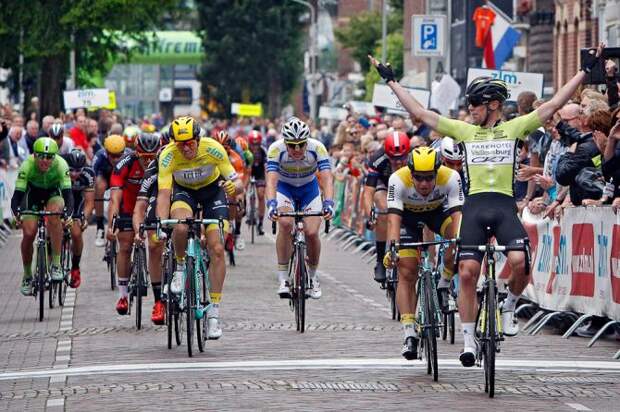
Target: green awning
167	47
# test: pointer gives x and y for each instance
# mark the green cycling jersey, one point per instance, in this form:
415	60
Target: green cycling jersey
490	153
57	176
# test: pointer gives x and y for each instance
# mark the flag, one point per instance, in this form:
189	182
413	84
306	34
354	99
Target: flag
500	41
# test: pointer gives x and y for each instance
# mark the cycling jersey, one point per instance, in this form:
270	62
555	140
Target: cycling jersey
210	163
379	170
85	182
490	153
297	172
403	196
102	165
258	166
128	174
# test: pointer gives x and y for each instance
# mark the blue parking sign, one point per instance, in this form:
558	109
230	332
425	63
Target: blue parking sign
428	36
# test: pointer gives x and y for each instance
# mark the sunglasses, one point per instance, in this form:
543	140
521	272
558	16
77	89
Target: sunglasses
191	142
475	101
296	146
453	162
424	178
72	170
44	156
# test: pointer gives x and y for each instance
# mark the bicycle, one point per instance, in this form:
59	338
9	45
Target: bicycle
489	328
168	265
391	277
192	304
109	256
298	272
60	288
41	279
428	317
448	303
138	285
252	214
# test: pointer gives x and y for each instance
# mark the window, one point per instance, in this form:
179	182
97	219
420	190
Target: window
183	95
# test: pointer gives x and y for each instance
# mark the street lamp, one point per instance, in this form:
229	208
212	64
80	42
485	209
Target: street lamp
313	52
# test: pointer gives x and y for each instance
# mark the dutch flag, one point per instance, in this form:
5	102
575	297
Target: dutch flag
500	40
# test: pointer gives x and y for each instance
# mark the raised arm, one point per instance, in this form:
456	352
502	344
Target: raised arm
414	107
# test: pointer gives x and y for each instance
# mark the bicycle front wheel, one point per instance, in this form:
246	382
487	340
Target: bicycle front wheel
302	279
190	303
201	328
139	265
112	264
431	333
491	344
41	277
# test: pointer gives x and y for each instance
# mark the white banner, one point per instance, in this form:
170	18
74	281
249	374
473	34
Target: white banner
576	262
383	96
86	98
7	187
332	113
517	81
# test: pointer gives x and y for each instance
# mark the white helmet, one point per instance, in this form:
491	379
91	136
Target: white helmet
450	150
294	130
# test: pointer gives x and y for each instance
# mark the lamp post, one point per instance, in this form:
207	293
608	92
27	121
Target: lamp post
313	56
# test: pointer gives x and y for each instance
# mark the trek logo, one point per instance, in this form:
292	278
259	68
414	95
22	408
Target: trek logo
494	153
582	260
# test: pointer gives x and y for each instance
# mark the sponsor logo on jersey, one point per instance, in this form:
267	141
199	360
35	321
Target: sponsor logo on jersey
215	153
390	196
167	159
490	153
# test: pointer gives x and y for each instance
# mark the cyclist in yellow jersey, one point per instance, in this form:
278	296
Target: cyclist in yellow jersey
490	160
195	171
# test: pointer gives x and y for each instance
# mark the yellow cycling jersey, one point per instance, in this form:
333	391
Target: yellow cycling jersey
211	162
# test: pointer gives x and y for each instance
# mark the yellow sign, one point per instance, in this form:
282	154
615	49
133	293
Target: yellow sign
248	110
111	103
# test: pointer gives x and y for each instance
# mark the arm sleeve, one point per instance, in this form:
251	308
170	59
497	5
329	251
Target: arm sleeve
90	177
395	195
523	126
65	182
455	197
16	200
610	166
456	129
22	175
273	159
226	168
322	158
67	195
119	174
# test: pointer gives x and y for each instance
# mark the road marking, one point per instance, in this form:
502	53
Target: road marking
53	403
296	364
578	406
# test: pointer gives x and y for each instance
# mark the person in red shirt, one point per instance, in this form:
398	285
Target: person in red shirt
124	187
78	134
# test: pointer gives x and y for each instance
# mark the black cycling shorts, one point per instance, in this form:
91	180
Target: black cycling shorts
495	210
212	198
37	198
124	222
436	220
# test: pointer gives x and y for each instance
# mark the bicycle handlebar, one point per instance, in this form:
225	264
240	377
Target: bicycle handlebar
299	215
40	213
425	245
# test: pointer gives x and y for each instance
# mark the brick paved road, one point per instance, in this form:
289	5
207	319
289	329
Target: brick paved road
85	357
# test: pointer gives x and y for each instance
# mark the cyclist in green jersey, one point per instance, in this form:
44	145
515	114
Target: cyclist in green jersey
491	149
43	182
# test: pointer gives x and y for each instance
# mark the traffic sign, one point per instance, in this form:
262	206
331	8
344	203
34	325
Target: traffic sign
428	35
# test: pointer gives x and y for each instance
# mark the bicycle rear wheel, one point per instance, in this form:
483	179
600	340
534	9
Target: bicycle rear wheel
139	263
112	263
302	278
65	263
190	303
489	350
41	276
201	334
451	327
431	333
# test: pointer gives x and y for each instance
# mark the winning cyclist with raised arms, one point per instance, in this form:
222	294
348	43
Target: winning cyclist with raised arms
490	160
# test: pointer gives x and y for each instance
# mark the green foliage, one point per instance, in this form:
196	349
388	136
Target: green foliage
253	50
395	44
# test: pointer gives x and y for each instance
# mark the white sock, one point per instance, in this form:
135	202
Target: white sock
282	275
469	330
410	330
214	311
511	301
122	287
443	283
312	273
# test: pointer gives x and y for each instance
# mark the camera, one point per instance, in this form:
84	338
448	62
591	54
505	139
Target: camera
598	75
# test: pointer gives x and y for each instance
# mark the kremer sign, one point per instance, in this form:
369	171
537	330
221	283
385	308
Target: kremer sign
167	47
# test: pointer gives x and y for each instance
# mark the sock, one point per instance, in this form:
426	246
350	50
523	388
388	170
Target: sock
282	272
443	283
380	250
408	322
238	228
214	310
156	291
469	330
312	272
56	259
75	261
99	220
122	287
180	263
28	271
511	301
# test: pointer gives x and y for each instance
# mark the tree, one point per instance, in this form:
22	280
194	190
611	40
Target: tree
253	51
41	30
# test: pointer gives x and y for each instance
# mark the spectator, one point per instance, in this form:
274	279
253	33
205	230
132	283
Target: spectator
611	158
92	134
417	141
32	133
18	149
46	122
116	128
78	133
611	79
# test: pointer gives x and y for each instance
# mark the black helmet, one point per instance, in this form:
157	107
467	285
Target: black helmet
56	131
147	143
484	89
76	159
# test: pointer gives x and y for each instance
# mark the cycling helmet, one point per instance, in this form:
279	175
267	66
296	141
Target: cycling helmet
243	144
130	134
184	128
295	131
450	150
424	159
147	143
484	89
148	128
396	144
222	138
255	137
76	159
164	133
114	144
56	131
45	145
202	132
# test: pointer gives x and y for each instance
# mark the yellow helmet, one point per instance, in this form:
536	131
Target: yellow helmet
114	144
184	128
423	159
148	128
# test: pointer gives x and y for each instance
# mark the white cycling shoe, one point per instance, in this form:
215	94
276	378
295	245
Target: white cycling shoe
315	292
510	324
215	331
284	290
99	238
176	285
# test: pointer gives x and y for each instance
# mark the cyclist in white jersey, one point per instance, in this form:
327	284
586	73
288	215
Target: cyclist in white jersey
292	184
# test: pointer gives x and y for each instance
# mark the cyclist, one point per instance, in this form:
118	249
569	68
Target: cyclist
421	192
234	211
83	187
244	150
292	185
65	144
490	158
43	182
258	173
125	184
130	134
103	164
380	166
195	171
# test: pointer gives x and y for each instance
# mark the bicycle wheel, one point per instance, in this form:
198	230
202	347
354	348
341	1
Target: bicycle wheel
200	332
301	294
167	299
489	350
431	321
65	263
113	264
451	326
52	293
41	276
139	262
190	303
